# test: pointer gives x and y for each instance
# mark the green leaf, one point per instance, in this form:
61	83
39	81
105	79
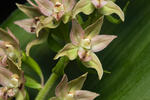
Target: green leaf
31	83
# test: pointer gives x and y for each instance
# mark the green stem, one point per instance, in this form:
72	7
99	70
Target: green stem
47	87
57	71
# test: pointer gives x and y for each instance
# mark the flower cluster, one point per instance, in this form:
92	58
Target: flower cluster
47	15
11	75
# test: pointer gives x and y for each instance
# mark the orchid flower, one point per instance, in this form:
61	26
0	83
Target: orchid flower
11	81
71	90
84	43
105	7
11	75
9	48
43	14
55	8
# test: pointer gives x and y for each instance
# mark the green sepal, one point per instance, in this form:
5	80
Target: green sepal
95	64
66	17
84	6
29	11
77	83
111	8
114	20
69	50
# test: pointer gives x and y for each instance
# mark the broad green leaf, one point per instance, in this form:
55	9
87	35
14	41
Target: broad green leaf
127	58
31	83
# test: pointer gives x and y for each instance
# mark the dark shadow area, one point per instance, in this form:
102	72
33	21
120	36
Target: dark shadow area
8	6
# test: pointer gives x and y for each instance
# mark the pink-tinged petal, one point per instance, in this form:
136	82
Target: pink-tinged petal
3	58
103	3
85	95
29	11
11	35
4	81
94	29
68	4
96	3
45	6
26	24
5	76
99	3
7	38
5	72
77	33
32	4
100	42
55	1
2	44
77	83
62	88
84	55
4	61
2	52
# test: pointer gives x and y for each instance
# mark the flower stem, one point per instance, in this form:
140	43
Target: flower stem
44	91
57	71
